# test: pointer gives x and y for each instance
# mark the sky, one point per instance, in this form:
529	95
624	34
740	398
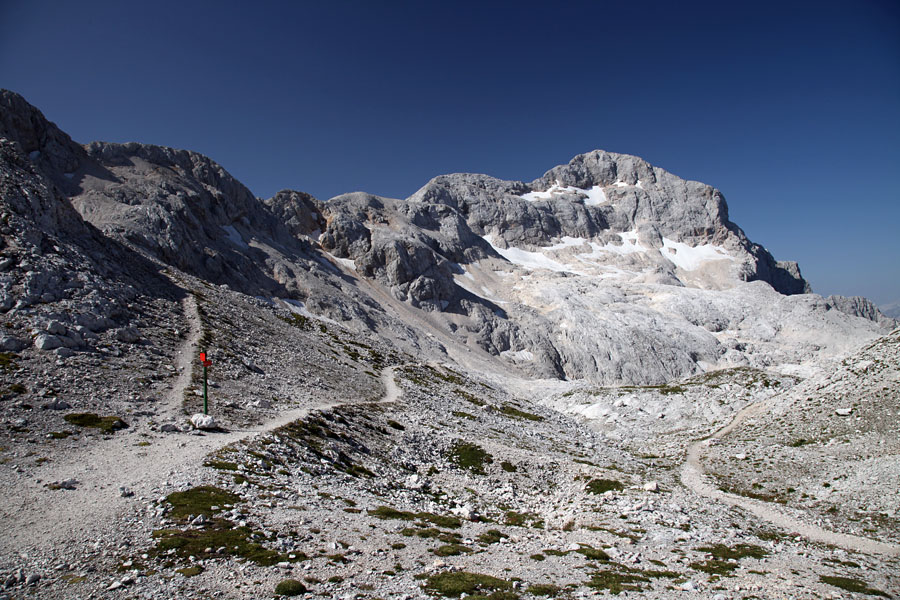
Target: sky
791	109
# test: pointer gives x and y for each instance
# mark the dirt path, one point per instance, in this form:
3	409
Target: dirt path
693	476
38	519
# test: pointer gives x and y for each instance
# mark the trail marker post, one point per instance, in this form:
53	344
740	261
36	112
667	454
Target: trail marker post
206	363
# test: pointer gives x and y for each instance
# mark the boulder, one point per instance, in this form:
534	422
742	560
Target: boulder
201	421
45	341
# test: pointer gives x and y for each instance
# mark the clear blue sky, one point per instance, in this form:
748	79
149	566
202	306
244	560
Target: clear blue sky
791	109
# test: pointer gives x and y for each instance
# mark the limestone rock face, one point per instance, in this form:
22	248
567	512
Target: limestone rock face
606	268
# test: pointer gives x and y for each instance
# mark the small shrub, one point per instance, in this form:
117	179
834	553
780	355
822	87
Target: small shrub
851	585
543	589
512	411
508	467
453	584
451	550
290	587
204	500
470	456
107	424
599	486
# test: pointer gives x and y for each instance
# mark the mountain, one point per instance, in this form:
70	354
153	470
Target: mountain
416	397
891	310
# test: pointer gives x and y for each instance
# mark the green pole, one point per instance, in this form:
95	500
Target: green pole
205	406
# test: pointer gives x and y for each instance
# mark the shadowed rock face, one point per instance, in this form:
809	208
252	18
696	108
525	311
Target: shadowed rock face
605	268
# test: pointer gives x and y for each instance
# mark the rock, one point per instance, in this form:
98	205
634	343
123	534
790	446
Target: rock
46	341
67	484
32	579
843	412
251	366
64	352
261	404
170	428
651	486
740	456
124	492
56	404
12	344
201	421
56	328
129	335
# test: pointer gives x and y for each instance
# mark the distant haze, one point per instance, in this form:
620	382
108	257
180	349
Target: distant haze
791	109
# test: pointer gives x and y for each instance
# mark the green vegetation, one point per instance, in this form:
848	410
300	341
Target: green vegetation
543	589
386	512
59	435
451	550
624	578
8	360
517	519
222	465
470	456
290	587
190	571
508	467
204	500
851	585
491	536
599	486
593	553
108	424
223	539
615	582
512	411
737	552
429	533
453	584
298	321
18	388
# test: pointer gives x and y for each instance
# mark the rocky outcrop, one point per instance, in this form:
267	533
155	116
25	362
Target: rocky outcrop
859	306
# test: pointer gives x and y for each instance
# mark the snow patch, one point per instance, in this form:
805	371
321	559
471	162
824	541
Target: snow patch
347	262
529	260
690	258
520	355
297	307
234	236
593	196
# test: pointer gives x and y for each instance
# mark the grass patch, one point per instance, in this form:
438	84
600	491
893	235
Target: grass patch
222	465
108	424
470	456
512	411
451	550
508	467
615	582
386	512
223	539
491	536
517	519
59	435
432	533
737	552
543	589
190	571
204	500
851	585
8	360
290	587
599	486
454	584
593	553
